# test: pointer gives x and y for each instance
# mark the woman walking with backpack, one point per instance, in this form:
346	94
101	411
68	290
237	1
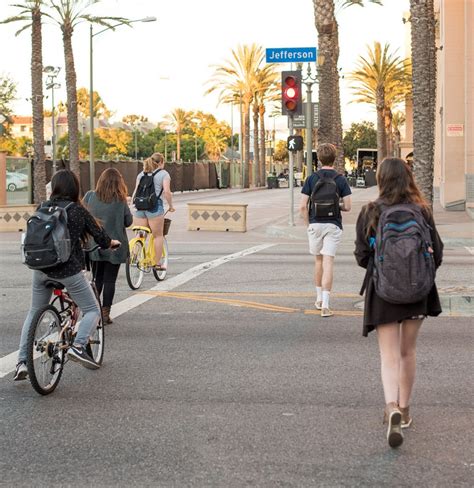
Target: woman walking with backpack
152	184
397	242
108	204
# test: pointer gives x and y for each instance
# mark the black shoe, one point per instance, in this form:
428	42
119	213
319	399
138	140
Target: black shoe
79	354
21	372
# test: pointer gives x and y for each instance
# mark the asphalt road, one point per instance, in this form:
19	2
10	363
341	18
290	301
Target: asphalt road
231	379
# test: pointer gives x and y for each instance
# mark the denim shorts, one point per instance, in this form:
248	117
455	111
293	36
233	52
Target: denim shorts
151	214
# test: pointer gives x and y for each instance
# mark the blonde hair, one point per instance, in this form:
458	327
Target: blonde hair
153	162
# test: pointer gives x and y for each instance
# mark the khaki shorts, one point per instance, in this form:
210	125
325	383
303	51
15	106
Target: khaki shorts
324	239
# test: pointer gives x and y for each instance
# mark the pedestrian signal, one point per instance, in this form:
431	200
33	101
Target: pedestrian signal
291	103
294	143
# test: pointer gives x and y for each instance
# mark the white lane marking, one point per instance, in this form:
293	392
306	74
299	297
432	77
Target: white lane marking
470	249
168	285
8	362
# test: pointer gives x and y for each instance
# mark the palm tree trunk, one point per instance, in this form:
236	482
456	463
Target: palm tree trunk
178	145
327	28
387	115
337	122
39	169
246	107
256	153
262	145
381	139
424	92
72	119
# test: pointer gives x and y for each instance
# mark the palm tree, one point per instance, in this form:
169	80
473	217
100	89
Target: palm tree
235	80
398	121
381	78
179	120
423	46
68	14
31	13
330	126
266	90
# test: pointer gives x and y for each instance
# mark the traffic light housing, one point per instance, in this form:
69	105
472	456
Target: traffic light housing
291	93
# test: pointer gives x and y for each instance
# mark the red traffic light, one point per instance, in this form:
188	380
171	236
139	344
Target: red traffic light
291	93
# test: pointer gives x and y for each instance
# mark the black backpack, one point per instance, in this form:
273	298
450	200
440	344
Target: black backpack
324	199
145	196
404	267
46	242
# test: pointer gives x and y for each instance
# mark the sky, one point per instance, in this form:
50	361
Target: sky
154	67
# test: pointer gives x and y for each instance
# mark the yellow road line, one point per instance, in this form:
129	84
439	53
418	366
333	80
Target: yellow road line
343	313
277	295
246	304
239	303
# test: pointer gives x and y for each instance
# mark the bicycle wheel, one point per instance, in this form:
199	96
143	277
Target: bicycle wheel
133	271
95	347
161	275
46	351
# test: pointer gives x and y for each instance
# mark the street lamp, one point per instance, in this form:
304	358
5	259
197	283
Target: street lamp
52	73
91	93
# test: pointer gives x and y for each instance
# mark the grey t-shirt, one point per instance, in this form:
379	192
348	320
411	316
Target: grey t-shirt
161	176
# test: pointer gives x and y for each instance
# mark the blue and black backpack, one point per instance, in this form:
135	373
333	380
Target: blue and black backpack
404	268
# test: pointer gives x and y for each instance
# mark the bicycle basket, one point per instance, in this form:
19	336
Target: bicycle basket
166	227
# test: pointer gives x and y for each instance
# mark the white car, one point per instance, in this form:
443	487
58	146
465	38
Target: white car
16	181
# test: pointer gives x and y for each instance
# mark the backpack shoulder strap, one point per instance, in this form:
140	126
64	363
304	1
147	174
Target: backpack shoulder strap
156	172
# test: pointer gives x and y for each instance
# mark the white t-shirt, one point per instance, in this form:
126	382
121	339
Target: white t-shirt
158	179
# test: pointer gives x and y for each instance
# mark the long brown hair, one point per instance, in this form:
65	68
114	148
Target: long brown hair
111	187
396	185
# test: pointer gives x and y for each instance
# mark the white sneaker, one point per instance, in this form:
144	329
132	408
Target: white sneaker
318	304
326	312
21	372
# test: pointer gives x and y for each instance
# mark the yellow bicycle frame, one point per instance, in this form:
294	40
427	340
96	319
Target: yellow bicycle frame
145	235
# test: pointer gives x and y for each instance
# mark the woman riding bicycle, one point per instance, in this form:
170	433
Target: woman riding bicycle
65	191
154	218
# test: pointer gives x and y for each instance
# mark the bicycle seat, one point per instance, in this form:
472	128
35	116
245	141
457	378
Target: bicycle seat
139	227
54	284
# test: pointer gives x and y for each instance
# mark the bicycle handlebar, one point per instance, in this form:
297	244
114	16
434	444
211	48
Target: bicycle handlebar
96	247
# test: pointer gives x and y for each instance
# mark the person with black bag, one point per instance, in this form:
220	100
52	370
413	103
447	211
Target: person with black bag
152	184
324	195
67	269
397	242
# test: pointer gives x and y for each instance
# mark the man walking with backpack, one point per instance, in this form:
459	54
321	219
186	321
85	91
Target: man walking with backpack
324	195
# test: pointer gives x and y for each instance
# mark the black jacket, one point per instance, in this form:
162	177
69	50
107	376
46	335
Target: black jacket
378	311
79	221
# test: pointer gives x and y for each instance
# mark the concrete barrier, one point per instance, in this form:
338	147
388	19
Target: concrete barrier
217	216
13	218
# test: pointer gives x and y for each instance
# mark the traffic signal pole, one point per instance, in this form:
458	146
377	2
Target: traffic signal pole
291	178
309	130
309	81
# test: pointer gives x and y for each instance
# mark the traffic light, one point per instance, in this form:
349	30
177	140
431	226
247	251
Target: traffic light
291	93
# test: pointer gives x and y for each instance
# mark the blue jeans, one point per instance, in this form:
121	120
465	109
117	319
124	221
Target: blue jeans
80	291
151	214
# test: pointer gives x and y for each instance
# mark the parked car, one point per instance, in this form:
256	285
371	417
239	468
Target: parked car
16	181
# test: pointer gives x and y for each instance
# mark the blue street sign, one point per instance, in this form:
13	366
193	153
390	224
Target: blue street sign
290	54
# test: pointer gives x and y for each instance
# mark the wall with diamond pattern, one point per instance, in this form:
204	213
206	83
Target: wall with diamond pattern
217	217
14	218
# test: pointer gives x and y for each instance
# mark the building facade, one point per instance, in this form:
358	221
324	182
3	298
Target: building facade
454	150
